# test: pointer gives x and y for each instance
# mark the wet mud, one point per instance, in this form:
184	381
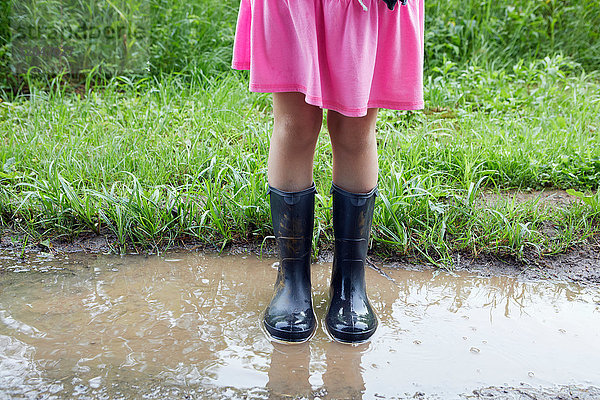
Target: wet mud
187	325
579	264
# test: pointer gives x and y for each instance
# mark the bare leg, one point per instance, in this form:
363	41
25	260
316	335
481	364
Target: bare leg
350	316
292	148
354	148
289	316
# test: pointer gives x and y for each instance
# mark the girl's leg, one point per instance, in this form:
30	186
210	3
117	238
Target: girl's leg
295	132
354	150
289	316
350	316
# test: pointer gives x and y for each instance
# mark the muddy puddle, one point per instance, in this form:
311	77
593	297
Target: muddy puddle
186	325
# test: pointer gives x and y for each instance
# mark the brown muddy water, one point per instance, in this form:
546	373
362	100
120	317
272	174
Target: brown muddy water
187	325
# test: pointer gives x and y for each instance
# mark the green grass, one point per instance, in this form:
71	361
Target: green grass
507	31
42	39
161	160
178	150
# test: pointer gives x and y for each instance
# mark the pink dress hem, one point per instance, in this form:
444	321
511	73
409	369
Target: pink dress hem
331	105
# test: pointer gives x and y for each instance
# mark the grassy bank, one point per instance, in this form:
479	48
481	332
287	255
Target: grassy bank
160	160
177	150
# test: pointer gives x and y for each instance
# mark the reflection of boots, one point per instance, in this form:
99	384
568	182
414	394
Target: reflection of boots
350	317
289	371
344	371
290	316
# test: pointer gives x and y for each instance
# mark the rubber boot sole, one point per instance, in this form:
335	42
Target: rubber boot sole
347	337
287	336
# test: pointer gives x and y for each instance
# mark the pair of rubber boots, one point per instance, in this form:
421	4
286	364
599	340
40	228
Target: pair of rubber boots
350	317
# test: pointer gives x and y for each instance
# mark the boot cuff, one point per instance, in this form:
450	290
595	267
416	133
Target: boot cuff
337	189
309	190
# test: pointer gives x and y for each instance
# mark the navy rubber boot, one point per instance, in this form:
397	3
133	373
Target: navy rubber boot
350	317
290	317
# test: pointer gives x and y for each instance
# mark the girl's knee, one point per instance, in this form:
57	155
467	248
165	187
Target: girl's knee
299	131
351	135
296	134
353	144
293	114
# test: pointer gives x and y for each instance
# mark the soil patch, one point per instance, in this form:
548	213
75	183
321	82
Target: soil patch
529	393
546	198
580	264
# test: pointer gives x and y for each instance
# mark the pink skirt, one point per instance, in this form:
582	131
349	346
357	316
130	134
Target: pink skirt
338	55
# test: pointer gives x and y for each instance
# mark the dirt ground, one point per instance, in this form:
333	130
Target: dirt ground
529	393
580	264
545	198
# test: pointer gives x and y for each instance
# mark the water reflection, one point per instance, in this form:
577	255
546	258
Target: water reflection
289	370
343	377
188	324
338	367
508	294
